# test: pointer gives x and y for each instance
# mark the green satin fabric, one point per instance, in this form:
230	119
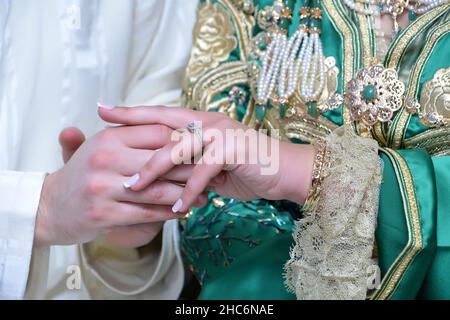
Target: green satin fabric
437	281
260	274
425	277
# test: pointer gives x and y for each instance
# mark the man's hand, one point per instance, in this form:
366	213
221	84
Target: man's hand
134	236
86	198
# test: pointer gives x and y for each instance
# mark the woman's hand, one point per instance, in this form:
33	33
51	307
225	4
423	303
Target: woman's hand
86	198
267	169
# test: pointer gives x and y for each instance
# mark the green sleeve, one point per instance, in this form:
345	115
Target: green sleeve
413	216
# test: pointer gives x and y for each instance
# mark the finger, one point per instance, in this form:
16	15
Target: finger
125	214
130	161
144	137
170	116
134	236
202	174
125	162
70	140
164	160
180	173
159	192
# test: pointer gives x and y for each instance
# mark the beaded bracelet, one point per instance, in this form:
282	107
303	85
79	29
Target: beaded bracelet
321	161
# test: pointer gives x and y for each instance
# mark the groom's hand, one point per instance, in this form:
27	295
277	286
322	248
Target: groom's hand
134	236
86	198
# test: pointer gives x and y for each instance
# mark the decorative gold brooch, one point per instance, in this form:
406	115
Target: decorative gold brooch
376	93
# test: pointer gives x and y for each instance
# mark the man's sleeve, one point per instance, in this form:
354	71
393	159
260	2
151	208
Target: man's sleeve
19	201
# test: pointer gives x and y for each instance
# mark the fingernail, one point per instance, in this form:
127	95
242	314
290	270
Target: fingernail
131	181
104	106
177	206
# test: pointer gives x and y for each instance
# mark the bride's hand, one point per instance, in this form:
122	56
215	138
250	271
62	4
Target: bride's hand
271	169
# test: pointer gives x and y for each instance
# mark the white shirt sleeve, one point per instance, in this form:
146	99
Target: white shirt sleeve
19	200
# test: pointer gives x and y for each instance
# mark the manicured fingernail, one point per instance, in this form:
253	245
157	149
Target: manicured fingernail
177	206
131	181
104	106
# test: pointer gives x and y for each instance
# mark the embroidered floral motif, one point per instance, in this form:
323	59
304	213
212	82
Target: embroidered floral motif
435	97
214	40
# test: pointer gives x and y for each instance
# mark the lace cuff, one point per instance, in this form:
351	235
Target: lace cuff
334	242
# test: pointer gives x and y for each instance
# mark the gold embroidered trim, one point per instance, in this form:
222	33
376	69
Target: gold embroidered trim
366	40
397	50
244	27
309	130
415	244
369	48
398	130
348	56
435	141
215	81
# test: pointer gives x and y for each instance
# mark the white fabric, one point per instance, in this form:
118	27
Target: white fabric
57	59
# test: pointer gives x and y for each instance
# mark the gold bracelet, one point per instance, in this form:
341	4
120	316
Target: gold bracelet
321	161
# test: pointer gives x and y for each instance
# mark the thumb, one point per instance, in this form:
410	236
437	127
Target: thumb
70	140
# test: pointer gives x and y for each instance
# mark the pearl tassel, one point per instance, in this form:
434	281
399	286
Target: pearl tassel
290	67
311	88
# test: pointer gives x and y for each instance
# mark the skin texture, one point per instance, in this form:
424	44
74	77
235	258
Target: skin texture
241	181
85	199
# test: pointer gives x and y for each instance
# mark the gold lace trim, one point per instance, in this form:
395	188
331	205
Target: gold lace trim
334	244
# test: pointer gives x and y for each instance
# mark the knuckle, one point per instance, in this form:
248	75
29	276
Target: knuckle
155	192
147	215
189	190
96	215
106	136
100	160
95	186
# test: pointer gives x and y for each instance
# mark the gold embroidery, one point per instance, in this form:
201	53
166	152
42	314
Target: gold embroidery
244	27
366	40
397	50
415	244
398	129
348	55
214	40
435	95
436	141
215	81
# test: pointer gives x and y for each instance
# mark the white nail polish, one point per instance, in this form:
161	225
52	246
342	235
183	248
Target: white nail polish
104	106
177	206
131	181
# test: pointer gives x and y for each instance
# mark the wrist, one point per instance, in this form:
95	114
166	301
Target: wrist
296	166
42	234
